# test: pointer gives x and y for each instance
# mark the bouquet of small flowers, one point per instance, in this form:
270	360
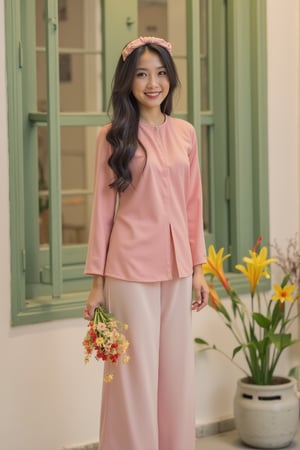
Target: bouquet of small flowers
105	339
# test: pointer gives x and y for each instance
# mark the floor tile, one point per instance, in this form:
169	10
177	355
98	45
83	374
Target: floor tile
231	441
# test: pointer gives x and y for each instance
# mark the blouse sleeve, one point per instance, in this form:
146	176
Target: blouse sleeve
194	206
103	209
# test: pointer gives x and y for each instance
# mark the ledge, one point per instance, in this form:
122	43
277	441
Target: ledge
211	428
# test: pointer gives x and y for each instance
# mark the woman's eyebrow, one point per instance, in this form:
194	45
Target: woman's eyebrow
144	68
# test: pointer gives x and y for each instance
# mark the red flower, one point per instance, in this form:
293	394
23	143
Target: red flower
106	341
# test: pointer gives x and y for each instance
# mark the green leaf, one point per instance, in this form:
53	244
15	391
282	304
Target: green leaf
223	310
277	315
261	320
295	372
252	333
235	302
262	346
236	350
200	341
281	340
285	280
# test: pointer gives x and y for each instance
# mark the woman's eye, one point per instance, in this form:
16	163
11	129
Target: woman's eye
141	74
162	72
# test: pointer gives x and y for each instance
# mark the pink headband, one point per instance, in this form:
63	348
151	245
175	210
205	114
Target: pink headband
143	41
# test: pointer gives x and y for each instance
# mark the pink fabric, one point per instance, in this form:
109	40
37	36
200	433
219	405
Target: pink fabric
161	211
142	41
150	404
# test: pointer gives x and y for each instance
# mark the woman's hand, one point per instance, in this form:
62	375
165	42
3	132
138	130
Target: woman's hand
95	298
200	288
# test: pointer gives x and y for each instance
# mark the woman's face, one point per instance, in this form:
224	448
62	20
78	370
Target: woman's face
151	83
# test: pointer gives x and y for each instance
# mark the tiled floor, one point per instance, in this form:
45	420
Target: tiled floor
231	441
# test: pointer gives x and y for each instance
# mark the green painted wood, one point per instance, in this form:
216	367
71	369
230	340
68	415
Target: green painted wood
210	235
247	135
119	21
30	143
197	117
55	232
45	309
26	311
207	118
240	128
15	139
260	119
193	66
71	119
95	119
72	51
219	133
216	117
72	254
72	272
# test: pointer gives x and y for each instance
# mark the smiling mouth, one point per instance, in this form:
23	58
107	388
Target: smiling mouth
152	94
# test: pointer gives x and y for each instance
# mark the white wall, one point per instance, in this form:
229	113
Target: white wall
283	67
48	398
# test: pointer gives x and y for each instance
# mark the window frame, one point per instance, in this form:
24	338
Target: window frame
246	120
40	306
239	163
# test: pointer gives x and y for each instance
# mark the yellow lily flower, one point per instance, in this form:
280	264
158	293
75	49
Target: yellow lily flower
214	265
283	293
214	297
256	267
216	303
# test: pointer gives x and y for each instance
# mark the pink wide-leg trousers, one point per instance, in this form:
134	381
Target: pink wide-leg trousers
150	403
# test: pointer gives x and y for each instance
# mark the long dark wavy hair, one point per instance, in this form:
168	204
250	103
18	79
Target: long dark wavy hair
123	134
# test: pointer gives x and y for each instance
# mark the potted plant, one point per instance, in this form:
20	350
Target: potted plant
266	406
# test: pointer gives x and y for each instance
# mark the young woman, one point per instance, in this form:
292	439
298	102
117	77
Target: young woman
145	252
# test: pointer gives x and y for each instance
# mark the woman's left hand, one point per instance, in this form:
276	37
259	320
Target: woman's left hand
201	291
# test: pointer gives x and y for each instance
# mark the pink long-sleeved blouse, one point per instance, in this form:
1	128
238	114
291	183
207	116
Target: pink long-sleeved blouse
157	223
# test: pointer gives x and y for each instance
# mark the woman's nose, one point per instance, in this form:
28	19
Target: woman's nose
152	80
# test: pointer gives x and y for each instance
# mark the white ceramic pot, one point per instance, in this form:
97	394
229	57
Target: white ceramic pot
267	416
